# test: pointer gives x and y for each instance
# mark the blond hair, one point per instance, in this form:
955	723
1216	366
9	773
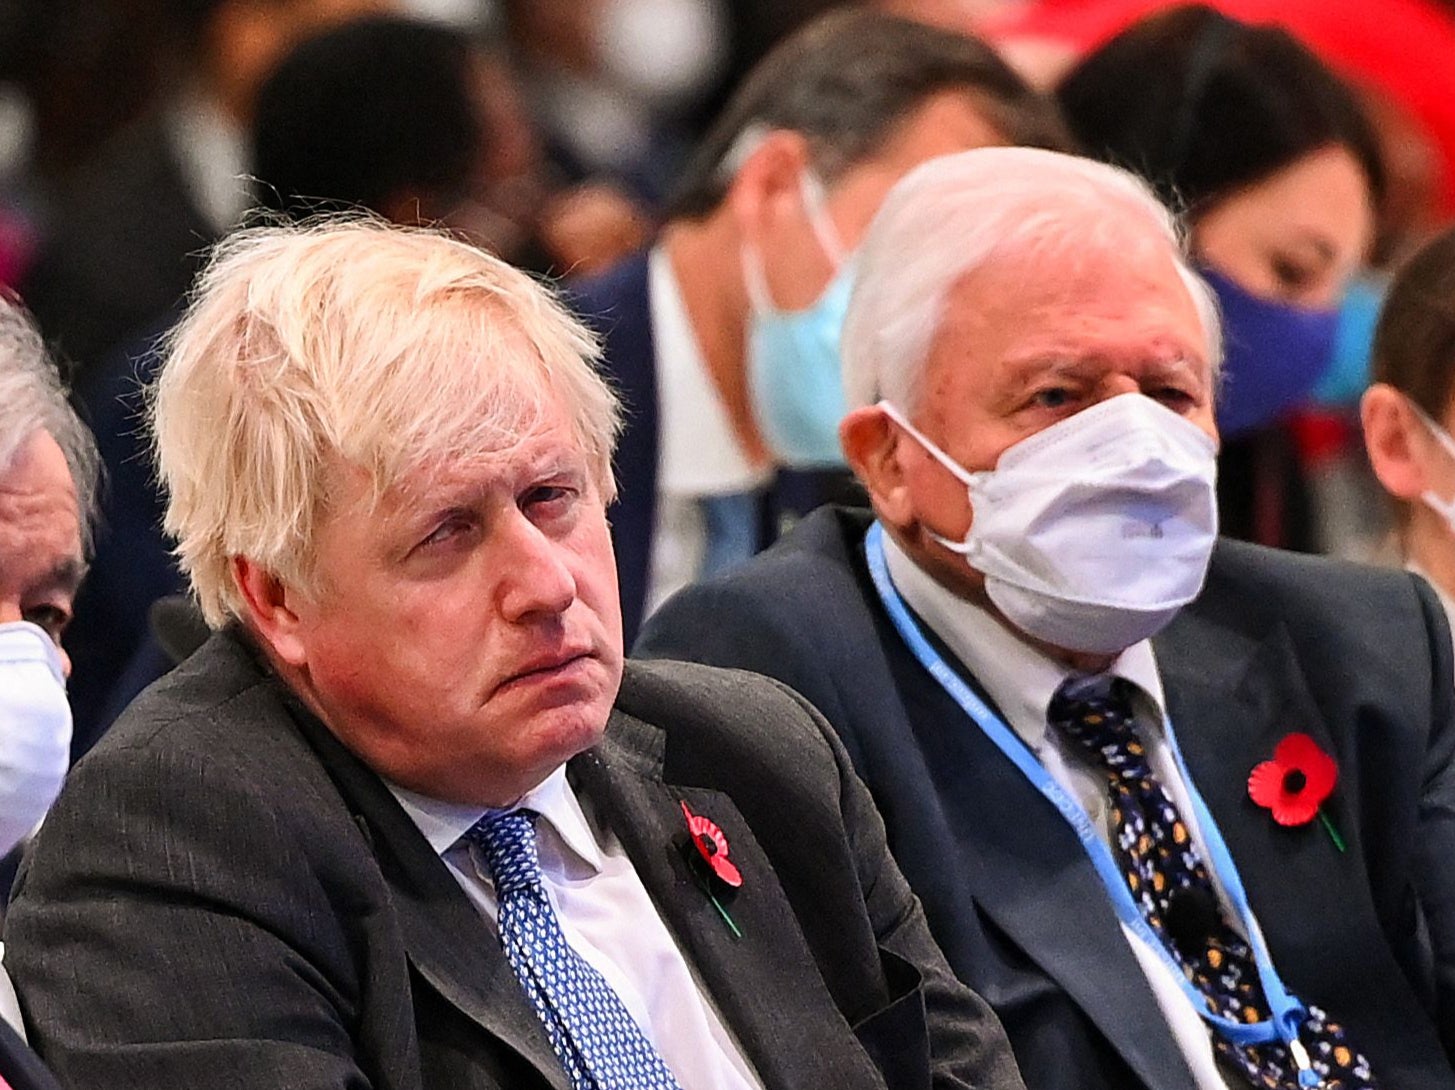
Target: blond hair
350	343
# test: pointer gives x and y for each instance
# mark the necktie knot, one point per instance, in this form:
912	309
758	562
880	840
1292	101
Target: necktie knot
1096	714
508	843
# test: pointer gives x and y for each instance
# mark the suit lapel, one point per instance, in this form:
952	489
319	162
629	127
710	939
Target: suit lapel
755	980
1231	699
1030	874
445	939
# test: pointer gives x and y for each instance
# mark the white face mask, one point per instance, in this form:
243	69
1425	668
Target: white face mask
1094	532
1442	507
35	729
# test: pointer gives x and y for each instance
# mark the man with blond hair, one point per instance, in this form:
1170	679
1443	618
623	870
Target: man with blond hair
404	821
1183	809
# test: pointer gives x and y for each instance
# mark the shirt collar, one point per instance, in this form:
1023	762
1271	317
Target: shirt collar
699	453
1018	678
444	823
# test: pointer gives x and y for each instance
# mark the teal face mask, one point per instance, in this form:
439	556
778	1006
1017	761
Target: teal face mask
793	355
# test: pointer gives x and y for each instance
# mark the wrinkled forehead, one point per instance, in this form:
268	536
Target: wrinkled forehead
39	511
482	431
1122	280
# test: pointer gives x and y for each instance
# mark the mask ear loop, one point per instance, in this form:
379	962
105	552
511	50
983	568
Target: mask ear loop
959	472
1442	507
815	208
815	204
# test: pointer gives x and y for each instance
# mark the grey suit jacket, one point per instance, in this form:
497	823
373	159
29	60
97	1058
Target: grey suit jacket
1277	643
224	896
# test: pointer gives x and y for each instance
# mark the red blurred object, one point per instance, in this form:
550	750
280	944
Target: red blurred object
17	247
1404	48
1322	435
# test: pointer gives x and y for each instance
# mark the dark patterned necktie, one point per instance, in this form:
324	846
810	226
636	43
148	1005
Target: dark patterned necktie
599	1044
1169	882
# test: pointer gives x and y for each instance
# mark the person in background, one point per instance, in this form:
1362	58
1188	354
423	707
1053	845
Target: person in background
122	242
723	335
48	477
48	470
1278	174
406	820
1101	737
1409	412
337	127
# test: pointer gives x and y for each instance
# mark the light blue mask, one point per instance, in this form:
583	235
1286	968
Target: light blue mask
793	355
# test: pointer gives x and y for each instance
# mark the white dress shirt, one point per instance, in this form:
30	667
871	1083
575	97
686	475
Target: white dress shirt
1020	680
698	454
608	918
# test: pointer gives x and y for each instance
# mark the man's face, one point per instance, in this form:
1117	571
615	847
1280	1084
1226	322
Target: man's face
465	638
41	561
1026	342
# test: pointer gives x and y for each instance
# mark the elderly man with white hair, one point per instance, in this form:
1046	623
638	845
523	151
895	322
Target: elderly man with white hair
48	473
1182	809
48	470
403	822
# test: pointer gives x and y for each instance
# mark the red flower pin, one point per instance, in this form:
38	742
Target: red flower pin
716	872
1295	783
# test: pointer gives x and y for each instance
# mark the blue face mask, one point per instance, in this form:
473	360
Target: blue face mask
793	355
1274	354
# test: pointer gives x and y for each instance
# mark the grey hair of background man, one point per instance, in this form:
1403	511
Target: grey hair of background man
33	399
844	82
957	213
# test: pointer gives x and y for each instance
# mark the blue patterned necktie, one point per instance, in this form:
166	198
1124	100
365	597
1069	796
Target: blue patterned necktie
1169	881
598	1043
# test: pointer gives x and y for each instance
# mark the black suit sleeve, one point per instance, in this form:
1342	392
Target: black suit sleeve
967	1045
161	936
1435	851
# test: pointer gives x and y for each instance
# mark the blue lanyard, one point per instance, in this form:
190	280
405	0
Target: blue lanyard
1287	1012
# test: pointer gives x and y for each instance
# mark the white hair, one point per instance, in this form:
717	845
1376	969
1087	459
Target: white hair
350	343
957	213
33	399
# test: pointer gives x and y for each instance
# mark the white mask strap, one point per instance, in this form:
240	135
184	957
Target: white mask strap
815	203
960	473
1442	436
815	207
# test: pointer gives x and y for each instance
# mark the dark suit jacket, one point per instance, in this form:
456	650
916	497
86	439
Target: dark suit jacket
616	304
19	1066
1356	657
224	896
120	248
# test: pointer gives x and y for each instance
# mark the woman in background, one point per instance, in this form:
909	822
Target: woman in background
1277	172
1409	412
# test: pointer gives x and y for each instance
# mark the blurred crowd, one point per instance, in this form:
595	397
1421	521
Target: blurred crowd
573	137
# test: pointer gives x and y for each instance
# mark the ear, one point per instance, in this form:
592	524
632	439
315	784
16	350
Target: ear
873	446
1390	435
766	185
270	615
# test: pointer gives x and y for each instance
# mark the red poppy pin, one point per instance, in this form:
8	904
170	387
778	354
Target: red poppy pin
1295	784
707	855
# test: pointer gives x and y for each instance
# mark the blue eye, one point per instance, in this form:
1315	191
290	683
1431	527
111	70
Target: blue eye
1056	397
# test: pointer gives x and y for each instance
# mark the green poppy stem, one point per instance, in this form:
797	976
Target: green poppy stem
1333	833
725	917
